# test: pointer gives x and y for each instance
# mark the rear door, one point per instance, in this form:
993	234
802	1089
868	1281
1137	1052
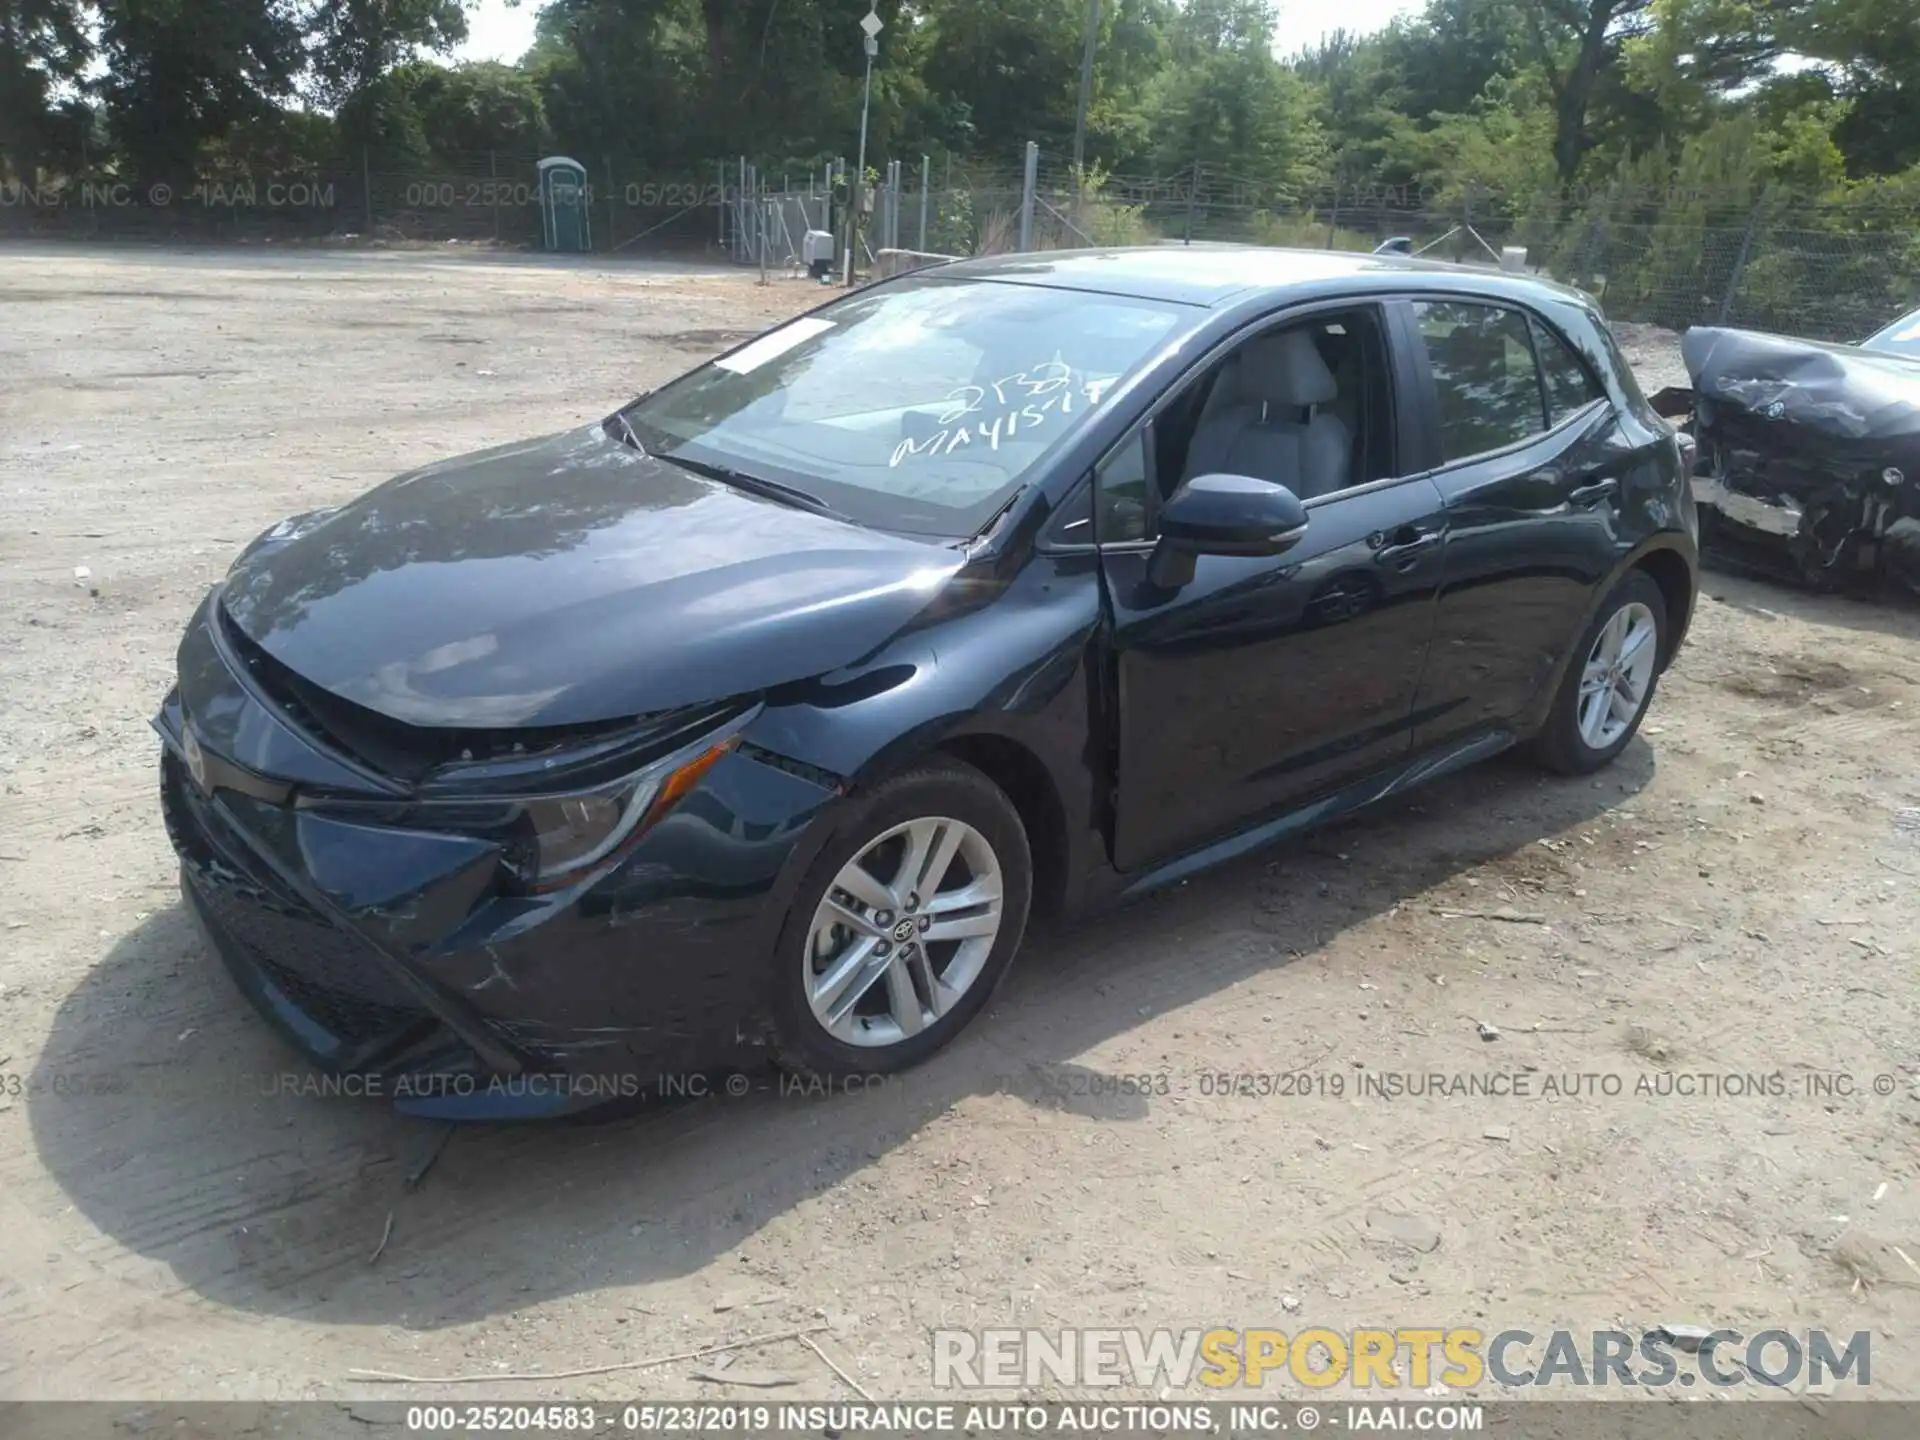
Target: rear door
1530	465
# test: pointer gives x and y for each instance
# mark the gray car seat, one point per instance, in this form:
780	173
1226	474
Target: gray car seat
1263	419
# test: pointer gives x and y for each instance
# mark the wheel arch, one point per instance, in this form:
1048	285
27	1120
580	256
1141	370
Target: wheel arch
1667	560
1023	777
1040	797
1672	572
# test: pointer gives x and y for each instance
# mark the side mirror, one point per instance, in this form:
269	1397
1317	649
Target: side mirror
1223	515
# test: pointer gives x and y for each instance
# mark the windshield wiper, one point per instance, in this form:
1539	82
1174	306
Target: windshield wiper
619	419
994	519
755	485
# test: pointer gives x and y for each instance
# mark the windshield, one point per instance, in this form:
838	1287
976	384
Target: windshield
918	406
1900	338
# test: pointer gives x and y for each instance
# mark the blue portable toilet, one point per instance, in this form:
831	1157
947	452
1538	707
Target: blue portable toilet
566	221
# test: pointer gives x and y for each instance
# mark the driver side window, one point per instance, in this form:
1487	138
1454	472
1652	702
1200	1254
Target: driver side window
1307	405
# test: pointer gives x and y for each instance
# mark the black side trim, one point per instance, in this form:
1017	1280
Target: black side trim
1365	792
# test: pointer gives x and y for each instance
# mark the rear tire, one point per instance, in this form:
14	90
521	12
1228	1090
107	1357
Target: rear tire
877	968
1608	687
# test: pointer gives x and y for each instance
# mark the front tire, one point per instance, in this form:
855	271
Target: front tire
1606	691
903	926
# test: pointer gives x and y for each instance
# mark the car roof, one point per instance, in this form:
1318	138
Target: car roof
1212	275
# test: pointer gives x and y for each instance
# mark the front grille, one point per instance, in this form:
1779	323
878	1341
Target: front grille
334	976
348	1017
296	942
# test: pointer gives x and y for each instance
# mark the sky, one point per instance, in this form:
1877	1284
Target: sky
1304	22
495	32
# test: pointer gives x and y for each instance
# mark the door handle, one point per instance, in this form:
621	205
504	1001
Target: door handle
1407	546
1592	494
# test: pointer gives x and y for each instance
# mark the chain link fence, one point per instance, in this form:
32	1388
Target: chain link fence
485	197
1671	259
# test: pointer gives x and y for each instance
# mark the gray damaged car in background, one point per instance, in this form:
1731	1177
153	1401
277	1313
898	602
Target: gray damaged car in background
1807	454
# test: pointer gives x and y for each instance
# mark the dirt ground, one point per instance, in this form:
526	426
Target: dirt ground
1739	896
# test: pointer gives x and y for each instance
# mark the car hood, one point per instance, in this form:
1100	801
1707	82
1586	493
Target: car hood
1837	391
566	580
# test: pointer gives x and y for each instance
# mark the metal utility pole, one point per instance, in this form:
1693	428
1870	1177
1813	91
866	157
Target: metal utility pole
870	24
1086	95
1029	184
926	183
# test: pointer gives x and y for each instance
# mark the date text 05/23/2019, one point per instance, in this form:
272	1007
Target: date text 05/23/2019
941	1417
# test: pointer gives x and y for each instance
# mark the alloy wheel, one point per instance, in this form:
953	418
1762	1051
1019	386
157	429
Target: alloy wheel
904	931
1618	676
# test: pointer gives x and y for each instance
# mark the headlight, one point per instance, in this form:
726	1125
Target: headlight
558	838
569	832
551	841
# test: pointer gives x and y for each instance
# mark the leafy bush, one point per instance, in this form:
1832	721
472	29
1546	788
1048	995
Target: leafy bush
1304	232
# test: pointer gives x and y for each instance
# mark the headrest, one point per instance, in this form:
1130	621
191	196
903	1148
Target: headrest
1284	370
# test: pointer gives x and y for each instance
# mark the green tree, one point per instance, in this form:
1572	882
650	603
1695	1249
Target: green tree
44	50
1368	89
1705	56
621	79
483	106
352	43
1576	45
1224	101
420	115
183	72
1014	65
1496	156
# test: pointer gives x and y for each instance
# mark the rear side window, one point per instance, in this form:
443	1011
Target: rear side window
1569	386
1483	369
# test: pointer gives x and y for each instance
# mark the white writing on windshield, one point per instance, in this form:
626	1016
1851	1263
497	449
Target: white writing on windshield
1001	409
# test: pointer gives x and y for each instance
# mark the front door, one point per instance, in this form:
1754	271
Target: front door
1266	681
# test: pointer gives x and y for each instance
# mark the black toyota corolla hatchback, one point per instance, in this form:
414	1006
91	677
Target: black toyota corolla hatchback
757	720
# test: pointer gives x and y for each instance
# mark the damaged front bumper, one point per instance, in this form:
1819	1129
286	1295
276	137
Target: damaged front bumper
1779	517
1821	513
416	961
